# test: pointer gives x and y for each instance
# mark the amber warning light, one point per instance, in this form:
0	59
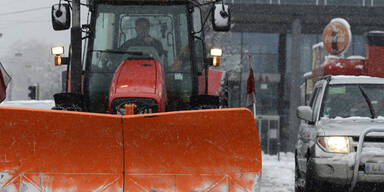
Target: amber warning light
216	53
57	51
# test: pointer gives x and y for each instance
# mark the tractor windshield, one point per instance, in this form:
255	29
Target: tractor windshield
124	32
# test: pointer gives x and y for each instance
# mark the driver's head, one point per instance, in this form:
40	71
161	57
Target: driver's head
142	27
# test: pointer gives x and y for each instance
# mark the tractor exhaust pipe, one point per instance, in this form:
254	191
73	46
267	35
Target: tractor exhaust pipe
76	48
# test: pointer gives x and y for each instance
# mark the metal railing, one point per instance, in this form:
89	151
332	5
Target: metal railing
358	154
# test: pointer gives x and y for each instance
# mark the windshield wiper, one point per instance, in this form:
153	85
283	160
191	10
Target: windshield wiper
371	109
119	52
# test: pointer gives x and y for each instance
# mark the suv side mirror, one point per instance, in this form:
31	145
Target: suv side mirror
61	17
305	113
221	17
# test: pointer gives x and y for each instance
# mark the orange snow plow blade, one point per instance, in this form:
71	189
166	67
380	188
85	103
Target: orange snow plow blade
206	150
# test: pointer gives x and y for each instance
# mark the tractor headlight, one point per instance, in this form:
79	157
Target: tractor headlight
57	50
216	52
335	144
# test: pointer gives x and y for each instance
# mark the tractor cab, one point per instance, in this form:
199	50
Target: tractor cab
164	40
143	32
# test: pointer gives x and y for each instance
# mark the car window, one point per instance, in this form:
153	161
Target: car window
313	97
316	102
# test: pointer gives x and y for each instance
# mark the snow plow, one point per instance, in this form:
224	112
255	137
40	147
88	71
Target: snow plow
45	150
179	137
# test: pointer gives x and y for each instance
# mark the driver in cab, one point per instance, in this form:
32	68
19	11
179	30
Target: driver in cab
142	39
142	27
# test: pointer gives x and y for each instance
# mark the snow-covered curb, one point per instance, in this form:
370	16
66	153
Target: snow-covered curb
35	104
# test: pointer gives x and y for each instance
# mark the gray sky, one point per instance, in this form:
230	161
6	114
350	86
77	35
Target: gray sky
26	20
27	24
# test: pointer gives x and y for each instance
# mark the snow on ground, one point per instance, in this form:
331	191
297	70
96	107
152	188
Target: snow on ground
278	176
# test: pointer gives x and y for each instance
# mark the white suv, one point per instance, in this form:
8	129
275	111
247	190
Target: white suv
339	110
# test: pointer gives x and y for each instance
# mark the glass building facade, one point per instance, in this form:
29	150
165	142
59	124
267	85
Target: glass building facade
261	50
270	51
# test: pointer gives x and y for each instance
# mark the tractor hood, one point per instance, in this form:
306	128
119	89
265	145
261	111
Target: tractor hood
138	79
135	77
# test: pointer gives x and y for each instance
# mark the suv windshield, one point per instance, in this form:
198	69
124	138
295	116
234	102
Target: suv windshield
348	100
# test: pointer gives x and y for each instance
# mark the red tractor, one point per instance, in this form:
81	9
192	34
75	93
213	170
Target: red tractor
148	53
166	70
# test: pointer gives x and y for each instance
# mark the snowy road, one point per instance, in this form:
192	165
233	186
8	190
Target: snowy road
277	176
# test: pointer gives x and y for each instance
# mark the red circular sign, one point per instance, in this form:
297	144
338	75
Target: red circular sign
337	36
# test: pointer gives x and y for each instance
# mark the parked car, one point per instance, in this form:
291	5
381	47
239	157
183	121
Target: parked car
340	144
337	113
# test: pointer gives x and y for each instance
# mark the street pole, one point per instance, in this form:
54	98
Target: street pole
294	94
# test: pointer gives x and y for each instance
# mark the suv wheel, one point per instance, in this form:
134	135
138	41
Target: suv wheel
310	185
299	180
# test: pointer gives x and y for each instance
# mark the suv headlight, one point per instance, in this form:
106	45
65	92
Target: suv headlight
335	144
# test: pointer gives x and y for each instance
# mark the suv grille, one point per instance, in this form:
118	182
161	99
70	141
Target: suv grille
370	139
